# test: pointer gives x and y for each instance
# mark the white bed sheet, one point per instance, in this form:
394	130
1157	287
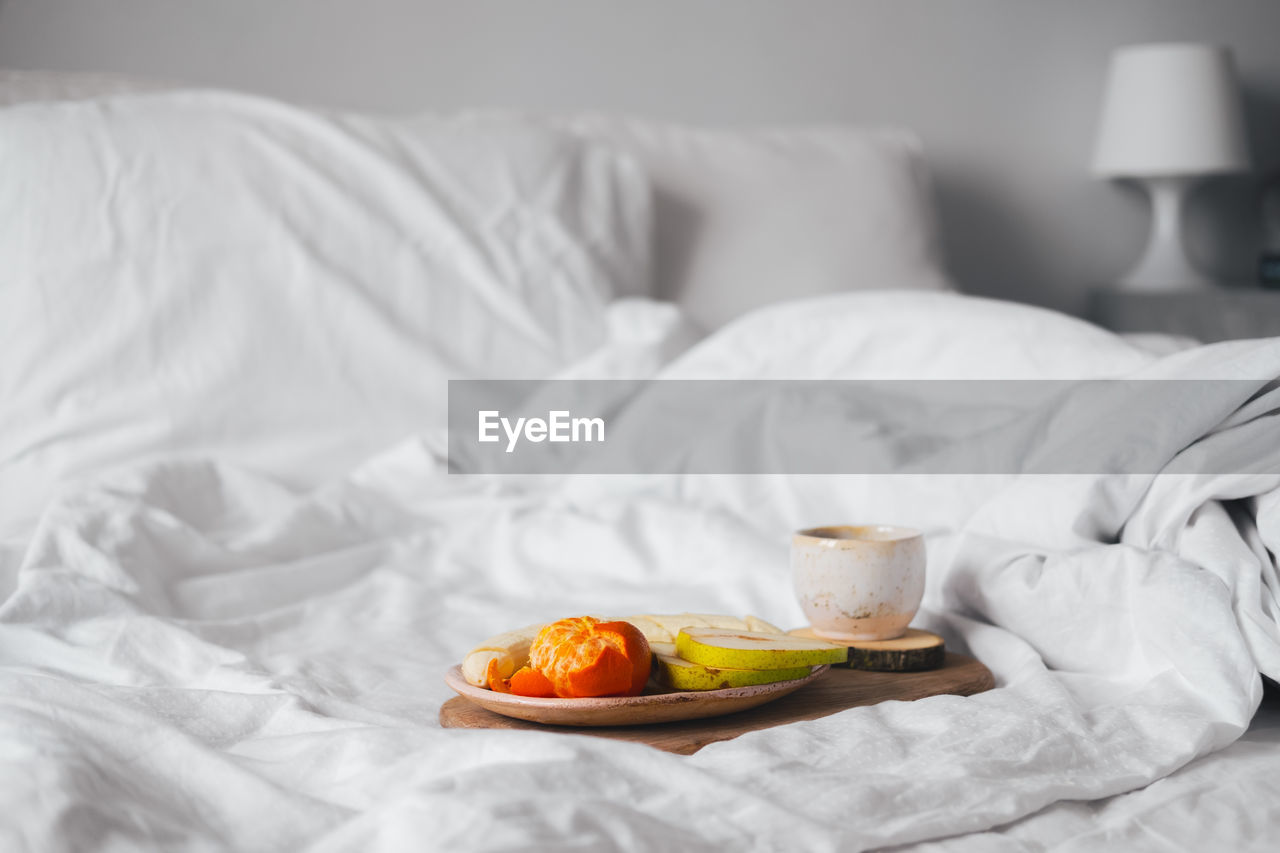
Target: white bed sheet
192	657
201	272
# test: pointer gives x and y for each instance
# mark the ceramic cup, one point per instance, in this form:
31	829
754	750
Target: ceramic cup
858	582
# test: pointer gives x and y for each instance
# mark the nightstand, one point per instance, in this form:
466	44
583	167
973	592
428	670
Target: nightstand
1215	315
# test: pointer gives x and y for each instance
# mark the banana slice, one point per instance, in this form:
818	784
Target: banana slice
663	628
511	648
653	632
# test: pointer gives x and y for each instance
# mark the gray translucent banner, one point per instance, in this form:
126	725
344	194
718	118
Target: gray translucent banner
864	427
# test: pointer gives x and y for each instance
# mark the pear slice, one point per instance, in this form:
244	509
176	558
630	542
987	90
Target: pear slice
658	647
680	674
724	648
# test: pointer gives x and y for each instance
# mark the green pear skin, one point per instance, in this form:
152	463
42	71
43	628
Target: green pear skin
680	674
729	649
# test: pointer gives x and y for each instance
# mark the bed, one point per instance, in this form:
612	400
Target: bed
235	562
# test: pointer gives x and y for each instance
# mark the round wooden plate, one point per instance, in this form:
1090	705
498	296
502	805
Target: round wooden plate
626	710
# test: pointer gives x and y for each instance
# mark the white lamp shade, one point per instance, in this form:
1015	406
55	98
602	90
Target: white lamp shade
1171	109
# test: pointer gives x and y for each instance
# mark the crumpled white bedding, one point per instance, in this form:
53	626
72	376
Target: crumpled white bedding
192	657
215	273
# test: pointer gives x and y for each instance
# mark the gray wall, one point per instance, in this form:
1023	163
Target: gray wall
1004	92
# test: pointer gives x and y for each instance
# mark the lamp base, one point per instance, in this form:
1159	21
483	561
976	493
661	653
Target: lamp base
1165	265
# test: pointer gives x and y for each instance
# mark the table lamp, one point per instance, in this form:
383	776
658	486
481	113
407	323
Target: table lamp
1171	116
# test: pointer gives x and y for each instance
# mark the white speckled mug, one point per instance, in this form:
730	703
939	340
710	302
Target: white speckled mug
858	582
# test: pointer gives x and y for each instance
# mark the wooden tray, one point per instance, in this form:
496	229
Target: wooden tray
839	689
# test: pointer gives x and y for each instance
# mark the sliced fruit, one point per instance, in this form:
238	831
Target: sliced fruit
663	627
681	674
510	649
660	648
722	648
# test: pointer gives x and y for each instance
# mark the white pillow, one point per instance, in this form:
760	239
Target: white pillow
207	273
909	336
744	218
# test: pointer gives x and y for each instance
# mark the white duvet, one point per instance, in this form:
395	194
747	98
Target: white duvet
193	657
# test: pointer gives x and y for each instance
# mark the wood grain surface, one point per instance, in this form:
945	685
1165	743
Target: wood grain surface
838	690
914	651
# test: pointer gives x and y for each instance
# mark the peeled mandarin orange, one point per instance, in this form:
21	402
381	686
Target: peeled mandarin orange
583	657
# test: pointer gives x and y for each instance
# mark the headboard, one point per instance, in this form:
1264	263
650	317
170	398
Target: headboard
1003	93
